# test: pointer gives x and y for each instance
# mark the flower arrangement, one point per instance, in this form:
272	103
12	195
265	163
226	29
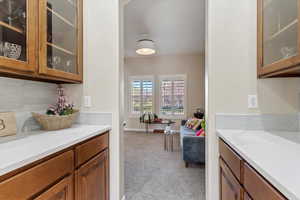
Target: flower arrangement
58	116
148	117
62	107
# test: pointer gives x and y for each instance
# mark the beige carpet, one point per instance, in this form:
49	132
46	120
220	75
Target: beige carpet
153	174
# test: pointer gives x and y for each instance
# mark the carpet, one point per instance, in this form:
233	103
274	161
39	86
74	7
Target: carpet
153	174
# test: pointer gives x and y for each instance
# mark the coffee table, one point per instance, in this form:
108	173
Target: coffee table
163	122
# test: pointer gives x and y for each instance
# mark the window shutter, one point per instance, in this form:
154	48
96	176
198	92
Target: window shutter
136	96
166	97
141	96
147	96
178	96
172	96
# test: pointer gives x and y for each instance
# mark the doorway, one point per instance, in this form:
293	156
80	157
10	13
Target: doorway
165	80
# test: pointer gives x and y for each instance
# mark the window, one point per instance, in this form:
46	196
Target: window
141	95
172	96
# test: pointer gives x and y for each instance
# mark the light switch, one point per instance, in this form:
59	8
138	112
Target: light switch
87	101
252	101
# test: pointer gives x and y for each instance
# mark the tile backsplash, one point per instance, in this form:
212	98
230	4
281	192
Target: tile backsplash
23	97
276	122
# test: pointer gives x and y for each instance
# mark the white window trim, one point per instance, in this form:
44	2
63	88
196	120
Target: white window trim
173	77
139	78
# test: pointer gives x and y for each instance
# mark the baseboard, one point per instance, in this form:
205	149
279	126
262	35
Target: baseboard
124	197
142	130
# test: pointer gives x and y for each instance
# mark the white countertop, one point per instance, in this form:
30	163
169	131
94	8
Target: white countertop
37	145
275	155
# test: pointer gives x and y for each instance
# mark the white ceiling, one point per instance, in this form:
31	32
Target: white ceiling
176	26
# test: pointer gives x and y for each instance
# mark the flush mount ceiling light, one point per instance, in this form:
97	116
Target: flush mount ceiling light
145	47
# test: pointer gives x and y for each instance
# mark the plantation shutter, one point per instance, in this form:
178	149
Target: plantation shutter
141	96
166	97
178	97
147	96
172	96
136	97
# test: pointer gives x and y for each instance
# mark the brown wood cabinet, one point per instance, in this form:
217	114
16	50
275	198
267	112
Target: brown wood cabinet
38	178
232	160
41	40
61	191
57	177
278	38
92	179
258	187
230	188
89	149
250	182
18	36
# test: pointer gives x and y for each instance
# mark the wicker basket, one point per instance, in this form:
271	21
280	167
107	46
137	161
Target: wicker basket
55	122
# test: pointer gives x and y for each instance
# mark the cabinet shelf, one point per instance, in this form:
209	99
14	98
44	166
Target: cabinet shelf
275	35
11	27
60	48
268	3
72	3
61	17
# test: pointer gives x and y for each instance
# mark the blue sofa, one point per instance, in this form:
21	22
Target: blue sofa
193	147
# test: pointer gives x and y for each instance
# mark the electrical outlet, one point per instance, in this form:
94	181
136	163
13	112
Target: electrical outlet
252	101
87	101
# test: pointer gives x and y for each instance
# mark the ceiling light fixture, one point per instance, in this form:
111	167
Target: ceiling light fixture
145	47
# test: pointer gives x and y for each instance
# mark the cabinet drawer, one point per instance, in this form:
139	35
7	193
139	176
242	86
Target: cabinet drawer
257	187
231	159
28	183
87	150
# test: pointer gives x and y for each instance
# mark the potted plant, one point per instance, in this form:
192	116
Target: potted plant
58	116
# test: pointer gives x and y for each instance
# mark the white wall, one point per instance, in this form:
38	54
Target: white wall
191	65
231	70
102	77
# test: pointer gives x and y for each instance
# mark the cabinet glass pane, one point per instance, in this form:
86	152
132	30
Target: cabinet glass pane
62	35
280	29
13	29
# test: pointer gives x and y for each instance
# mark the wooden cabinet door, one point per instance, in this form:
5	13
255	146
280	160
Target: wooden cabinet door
278	37
91	179
61	191
231	158
230	188
60	39
258	187
18	36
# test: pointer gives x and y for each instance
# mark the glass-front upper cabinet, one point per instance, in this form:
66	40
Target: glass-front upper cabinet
61	38
17	35
278	35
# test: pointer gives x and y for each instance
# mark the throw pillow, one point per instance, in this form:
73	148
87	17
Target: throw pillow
197	125
201	132
189	123
193	123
